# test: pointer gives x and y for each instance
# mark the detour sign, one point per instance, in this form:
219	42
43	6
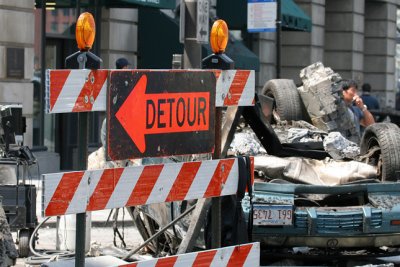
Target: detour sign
160	113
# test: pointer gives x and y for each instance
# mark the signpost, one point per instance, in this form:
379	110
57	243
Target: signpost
160	113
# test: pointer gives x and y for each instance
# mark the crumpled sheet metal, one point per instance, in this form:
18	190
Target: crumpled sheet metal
311	171
298	132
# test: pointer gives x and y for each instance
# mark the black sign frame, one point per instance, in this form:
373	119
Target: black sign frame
120	145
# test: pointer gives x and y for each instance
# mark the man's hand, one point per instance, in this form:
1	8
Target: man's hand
368	119
359	102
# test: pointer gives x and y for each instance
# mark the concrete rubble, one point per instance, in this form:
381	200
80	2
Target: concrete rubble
321	95
8	252
339	147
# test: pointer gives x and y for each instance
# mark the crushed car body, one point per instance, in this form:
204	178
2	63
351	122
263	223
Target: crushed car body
338	201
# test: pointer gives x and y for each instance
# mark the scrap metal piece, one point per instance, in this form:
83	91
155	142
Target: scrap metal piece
339	147
321	94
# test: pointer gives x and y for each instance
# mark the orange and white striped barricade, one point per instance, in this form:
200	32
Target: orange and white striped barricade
150	113
85	90
247	255
90	190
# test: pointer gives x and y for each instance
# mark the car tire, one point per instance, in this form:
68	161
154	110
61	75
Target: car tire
381	144
287	102
23	243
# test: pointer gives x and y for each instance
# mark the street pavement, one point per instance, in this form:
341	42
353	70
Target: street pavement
101	231
101	235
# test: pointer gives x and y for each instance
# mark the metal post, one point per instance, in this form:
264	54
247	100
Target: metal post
278	39
42	72
83	135
192	49
216	201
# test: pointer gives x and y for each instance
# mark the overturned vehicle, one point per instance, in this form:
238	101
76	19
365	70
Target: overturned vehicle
318	182
346	198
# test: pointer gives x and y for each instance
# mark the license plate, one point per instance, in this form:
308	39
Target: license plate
272	214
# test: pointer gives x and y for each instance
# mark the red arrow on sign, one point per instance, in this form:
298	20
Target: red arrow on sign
143	114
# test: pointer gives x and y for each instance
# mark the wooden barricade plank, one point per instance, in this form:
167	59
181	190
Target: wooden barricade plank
246	255
81	191
85	90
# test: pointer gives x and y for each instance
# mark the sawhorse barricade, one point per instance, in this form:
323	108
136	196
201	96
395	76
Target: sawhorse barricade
173	115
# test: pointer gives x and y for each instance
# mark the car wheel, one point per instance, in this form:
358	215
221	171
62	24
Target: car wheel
23	243
287	102
380	146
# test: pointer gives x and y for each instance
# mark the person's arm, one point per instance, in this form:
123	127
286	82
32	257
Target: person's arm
367	118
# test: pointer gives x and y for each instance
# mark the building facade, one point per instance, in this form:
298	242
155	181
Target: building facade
355	38
17	58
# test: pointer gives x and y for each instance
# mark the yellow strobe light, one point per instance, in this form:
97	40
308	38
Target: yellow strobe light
219	36
85	31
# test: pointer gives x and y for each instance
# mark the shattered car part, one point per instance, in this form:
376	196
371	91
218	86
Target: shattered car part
298	132
354	215
321	95
311	171
339	147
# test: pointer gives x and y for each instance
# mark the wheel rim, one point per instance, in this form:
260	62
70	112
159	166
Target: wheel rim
275	115
375	159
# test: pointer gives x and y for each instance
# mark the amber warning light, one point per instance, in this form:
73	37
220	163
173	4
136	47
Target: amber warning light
218	40
85	31
219	36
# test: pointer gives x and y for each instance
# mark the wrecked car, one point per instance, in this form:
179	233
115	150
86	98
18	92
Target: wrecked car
303	197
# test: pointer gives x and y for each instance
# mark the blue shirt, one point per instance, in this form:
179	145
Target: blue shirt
370	101
356	115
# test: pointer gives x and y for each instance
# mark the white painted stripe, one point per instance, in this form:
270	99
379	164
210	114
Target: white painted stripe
101	101
186	260
224	82
253	259
51	181
222	257
71	90
164	182
150	263
124	187
94	178
81	197
231	184
246	99
202	179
